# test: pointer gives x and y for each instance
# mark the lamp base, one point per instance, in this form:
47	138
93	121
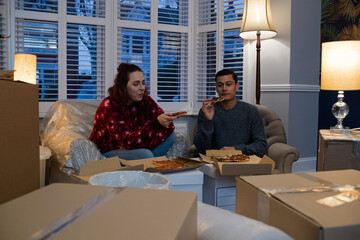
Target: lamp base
340	110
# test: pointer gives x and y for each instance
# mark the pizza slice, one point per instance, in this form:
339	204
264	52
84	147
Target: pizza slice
217	99
178	114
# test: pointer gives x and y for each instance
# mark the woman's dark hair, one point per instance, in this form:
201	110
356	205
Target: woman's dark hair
226	72
118	90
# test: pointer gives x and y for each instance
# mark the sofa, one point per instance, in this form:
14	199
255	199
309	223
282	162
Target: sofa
66	128
283	154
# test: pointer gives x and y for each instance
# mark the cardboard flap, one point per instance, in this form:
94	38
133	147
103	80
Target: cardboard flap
222	152
147	162
265	159
99	166
150	167
205	158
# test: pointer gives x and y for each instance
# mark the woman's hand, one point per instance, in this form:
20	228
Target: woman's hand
166	119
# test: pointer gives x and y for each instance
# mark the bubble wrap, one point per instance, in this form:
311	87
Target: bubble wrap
215	223
65	129
180	147
138	179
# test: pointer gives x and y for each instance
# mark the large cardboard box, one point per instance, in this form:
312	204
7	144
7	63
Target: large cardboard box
338	151
76	211
313	205
19	139
255	165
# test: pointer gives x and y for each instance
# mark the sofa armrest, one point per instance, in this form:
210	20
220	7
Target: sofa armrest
284	155
71	149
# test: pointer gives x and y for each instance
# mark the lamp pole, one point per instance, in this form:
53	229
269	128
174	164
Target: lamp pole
258	48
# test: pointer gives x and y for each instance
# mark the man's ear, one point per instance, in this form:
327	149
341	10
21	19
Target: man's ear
237	86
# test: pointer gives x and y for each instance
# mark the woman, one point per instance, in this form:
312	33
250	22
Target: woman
128	123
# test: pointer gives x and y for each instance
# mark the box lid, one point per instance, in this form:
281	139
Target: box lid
103	213
302	192
254	166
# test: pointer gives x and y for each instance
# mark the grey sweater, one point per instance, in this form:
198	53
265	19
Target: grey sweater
240	127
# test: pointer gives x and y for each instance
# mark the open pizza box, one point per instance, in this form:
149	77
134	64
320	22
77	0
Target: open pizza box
150	166
105	165
255	165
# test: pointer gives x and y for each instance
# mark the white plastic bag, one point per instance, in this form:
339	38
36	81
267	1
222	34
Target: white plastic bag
137	179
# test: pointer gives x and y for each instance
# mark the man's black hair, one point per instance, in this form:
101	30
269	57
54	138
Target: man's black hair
226	72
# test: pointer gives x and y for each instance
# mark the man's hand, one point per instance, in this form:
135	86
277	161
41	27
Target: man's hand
227	148
208	108
165	119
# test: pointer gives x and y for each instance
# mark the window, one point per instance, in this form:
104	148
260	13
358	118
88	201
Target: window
218	45
179	45
4	33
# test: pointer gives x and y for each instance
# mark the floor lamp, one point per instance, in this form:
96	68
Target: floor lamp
257	24
340	71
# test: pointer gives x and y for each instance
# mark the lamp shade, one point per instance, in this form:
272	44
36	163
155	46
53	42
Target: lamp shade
25	67
257	18
340	65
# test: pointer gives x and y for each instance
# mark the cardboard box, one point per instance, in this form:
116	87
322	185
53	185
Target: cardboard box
19	139
305	206
255	165
75	211
338	151
187	181
91	168
149	166
218	190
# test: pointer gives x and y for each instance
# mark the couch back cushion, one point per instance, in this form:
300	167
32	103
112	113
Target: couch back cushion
274	128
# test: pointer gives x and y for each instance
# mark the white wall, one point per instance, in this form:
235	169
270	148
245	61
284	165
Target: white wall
290	67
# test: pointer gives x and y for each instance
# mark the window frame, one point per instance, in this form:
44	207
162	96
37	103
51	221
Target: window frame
111	24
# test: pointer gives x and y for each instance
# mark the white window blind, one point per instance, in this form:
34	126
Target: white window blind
86	8
134	47
173	12
206	63
138	11
85	61
37	6
172	79
4	32
41	38
233	10
233	55
207	12
218	45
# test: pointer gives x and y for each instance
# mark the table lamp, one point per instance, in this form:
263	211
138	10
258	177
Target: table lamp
257	24
25	68
340	71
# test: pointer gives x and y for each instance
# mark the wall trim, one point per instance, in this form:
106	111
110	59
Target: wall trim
305	165
289	88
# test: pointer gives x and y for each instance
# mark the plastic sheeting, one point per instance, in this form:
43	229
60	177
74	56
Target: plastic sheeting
137	179
65	129
215	223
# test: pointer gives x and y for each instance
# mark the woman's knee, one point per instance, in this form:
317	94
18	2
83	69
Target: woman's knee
144	153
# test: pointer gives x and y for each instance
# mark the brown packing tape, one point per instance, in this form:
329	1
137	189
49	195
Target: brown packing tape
89	206
263	206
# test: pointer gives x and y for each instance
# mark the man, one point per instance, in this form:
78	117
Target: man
230	124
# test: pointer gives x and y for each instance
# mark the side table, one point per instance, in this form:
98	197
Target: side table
45	154
338	151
